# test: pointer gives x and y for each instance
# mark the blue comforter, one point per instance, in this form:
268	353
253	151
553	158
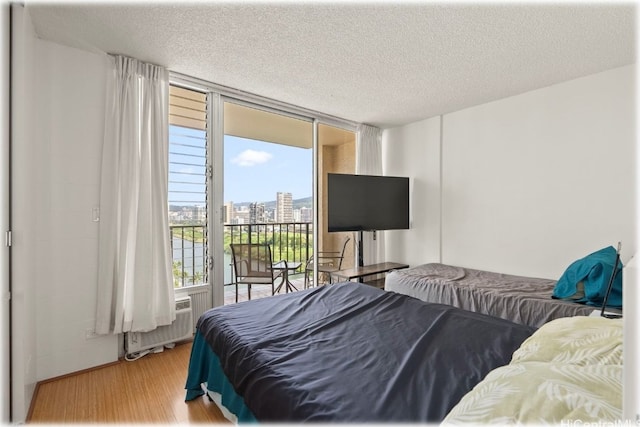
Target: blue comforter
350	353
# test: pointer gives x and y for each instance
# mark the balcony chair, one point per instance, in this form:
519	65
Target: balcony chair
253	265
328	262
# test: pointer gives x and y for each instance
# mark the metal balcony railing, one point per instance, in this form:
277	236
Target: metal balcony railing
289	241
189	252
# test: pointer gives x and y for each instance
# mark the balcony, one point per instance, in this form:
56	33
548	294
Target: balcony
289	241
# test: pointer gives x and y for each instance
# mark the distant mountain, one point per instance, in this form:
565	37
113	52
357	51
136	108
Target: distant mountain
306	202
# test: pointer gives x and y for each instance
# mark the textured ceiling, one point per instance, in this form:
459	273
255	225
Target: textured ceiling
378	63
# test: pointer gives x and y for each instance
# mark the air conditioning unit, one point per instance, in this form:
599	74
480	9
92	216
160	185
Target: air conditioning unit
180	329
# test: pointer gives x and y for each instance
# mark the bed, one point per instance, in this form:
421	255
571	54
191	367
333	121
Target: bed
347	352
523	300
569	370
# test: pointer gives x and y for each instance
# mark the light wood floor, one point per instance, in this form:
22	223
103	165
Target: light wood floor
148	390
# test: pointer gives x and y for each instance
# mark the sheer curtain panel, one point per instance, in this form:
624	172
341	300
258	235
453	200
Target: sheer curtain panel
369	162
135	285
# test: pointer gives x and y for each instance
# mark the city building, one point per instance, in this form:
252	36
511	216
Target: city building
227	213
199	214
256	213
241	216
306	214
284	207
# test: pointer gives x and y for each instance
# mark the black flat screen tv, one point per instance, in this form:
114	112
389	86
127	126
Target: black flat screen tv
367	202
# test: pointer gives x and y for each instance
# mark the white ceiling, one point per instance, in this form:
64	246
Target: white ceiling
378	63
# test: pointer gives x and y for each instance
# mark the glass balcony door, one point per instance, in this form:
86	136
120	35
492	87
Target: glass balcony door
268	189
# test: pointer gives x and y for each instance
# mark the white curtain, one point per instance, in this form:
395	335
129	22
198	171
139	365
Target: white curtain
135	285
369	162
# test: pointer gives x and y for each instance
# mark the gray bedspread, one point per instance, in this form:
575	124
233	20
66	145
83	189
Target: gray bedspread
523	300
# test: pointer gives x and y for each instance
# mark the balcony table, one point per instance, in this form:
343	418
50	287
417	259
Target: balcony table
286	267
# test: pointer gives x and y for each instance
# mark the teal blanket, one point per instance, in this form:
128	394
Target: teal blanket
204	367
586	280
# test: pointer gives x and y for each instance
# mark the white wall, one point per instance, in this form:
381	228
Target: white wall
529	183
535	181
414	151
70	114
58	123
24	214
5	84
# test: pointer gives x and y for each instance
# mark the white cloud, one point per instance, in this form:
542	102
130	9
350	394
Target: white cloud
251	158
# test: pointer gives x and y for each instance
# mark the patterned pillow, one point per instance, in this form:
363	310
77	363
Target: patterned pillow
586	279
576	340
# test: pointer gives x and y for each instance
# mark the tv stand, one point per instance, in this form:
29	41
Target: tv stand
367	270
360	250
361	246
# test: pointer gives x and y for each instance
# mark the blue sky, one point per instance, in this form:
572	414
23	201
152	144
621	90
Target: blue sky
254	171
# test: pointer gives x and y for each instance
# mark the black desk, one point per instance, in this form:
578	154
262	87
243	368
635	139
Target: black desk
367	270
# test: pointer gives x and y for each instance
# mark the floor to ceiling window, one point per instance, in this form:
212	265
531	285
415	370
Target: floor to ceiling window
268	189
245	169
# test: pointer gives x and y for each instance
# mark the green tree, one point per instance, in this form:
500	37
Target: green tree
178	274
